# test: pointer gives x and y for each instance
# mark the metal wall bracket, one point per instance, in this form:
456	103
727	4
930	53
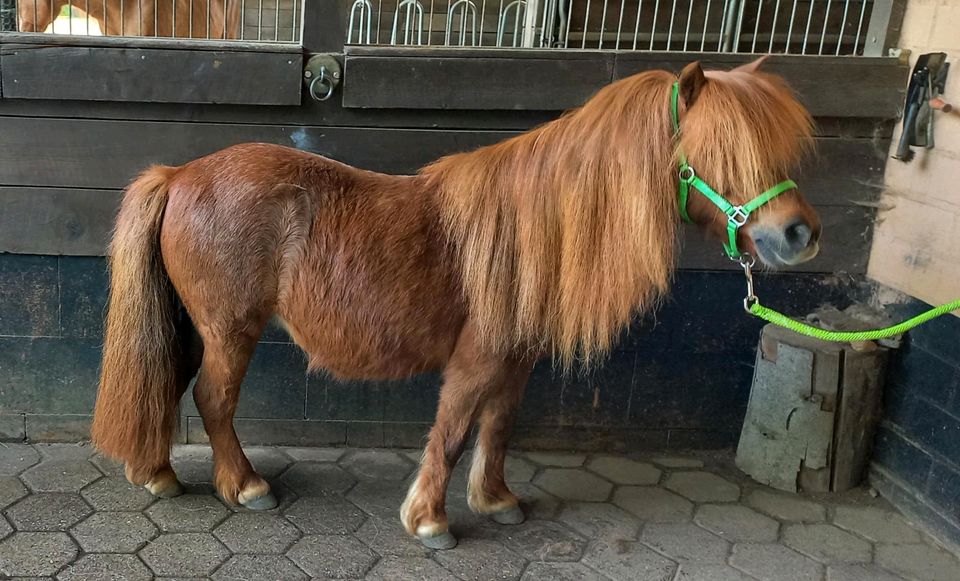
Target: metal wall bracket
321	75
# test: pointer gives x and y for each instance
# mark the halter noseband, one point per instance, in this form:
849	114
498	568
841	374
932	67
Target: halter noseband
737	216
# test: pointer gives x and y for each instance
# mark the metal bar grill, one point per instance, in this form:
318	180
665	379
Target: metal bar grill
273	21
810	27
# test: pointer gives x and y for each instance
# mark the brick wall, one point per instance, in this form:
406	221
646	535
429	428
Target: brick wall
916	249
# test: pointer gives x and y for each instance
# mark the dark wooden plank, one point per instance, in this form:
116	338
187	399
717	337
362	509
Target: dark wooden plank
325	25
541	79
153	75
107	154
74	222
331	114
81	153
828	86
187	44
477	82
844	247
77	222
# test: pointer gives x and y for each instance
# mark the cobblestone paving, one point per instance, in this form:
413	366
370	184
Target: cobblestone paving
69	514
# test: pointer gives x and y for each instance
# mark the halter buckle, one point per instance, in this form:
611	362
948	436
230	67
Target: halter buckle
738	216
687	174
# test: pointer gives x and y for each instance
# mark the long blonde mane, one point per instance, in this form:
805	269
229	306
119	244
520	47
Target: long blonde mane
564	233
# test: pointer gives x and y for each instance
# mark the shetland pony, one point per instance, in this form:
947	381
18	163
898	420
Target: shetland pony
547	243
217	19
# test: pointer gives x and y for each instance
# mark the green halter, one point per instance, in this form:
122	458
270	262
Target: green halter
737	216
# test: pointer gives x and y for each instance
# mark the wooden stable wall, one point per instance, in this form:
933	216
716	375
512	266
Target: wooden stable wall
67	150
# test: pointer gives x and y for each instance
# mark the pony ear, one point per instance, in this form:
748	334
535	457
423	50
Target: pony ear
754	66
692	81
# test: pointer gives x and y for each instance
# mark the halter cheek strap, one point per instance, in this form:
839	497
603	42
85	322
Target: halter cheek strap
737	216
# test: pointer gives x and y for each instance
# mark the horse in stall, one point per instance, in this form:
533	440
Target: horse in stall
546	243
216	19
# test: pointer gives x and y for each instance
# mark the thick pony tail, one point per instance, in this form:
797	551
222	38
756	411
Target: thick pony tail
136	409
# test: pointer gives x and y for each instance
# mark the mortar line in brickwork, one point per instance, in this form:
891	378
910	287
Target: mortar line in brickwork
900	431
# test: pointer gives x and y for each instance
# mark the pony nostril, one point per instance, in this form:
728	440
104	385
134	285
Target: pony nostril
799	235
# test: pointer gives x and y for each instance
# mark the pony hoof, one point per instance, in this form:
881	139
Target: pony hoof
165	489
263	502
510	516
439	542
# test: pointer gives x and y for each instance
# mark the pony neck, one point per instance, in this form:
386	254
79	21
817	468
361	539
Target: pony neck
565	232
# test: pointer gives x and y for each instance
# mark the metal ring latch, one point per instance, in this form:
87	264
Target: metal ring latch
747	261
322	80
687	174
321	75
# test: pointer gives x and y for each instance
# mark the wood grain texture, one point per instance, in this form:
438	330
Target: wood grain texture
158	75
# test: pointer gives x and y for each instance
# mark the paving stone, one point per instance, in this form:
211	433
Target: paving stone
48	512
35	554
76	451
325	515
192	452
106	568
187	513
481	560
677	462
702	487
877	524
5	528
535	502
257	532
377	465
557	459
600	521
919	561
861	572
114	532
194	471
315	454
394	568
516	469
184	554
15	458
544	541
786	507
313	478
624	470
629	560
259	568
269	462
336	556
382	499
108	466
67	475
387	536
573	484
686	542
116	494
697	572
653	504
737	523
826	543
560	572
774	563
11	490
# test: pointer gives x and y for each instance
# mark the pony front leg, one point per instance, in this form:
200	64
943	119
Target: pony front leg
488	491
423	512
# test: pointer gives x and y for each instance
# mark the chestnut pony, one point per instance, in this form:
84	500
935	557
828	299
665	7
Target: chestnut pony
547	243
165	18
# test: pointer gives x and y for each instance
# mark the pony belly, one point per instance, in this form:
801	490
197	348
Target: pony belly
367	355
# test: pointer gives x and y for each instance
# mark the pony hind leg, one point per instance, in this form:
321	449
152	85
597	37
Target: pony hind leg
225	361
488	492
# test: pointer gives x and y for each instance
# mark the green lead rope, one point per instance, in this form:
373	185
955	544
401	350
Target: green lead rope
779	319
